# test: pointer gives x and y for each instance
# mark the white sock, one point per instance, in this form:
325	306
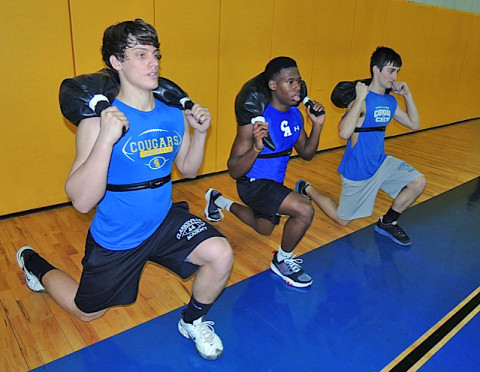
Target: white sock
282	255
223	203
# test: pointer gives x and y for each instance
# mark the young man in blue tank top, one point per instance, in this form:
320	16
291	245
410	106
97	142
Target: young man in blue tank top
260	172
137	140
365	167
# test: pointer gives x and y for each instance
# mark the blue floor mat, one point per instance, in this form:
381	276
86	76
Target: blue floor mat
370	300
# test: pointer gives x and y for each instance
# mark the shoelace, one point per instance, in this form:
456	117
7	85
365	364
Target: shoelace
399	229
205	330
293	263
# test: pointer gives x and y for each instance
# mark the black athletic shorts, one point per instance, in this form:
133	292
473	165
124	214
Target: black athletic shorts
263	196
111	278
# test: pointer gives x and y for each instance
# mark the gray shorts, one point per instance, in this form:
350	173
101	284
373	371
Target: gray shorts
358	197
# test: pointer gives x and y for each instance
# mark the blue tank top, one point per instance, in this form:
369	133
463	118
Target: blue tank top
125	219
284	128
361	161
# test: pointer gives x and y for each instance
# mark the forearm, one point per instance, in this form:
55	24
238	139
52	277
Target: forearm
194	158
86	185
311	144
412	112
239	165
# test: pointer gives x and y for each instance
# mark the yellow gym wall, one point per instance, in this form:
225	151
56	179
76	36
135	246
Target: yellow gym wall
210	48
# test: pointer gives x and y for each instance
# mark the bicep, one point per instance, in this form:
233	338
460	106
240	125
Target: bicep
356	114
301	141
352	114
85	138
243	140
302	138
182	153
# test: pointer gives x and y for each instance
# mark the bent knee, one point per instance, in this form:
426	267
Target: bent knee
263	226
88	317
306	212
221	252
214	250
423	182
342	222
265	231
224	261
227	254
419	184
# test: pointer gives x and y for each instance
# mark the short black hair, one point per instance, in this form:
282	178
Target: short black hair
117	38
274	67
383	56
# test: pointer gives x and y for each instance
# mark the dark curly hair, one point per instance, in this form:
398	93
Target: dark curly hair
117	38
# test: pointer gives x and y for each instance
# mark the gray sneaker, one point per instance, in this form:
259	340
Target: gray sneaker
291	271
31	280
207	342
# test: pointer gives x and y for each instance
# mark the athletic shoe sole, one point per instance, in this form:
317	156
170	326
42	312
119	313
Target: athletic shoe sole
297	189
207	216
390	236
36	287
288	280
185	334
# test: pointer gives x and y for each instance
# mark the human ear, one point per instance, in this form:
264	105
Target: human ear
116	64
272	85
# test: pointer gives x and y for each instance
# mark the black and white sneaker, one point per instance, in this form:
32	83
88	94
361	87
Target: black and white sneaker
301	187
212	212
290	270
393	231
31	280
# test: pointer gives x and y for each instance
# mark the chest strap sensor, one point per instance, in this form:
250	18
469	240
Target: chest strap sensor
370	129
153	184
275	154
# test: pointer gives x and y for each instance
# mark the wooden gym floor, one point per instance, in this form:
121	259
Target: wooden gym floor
35	331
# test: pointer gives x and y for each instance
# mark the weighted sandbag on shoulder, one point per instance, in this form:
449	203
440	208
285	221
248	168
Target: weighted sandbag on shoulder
344	92
250	103
85	96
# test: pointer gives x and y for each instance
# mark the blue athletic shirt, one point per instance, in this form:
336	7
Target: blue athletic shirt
124	219
361	161
284	128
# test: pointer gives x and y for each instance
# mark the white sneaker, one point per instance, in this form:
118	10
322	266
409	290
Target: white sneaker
31	280
207	342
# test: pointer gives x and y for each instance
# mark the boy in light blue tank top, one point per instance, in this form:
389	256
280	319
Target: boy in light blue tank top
365	167
260	172
122	167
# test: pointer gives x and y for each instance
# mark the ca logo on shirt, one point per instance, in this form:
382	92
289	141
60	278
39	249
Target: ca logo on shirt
285	129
